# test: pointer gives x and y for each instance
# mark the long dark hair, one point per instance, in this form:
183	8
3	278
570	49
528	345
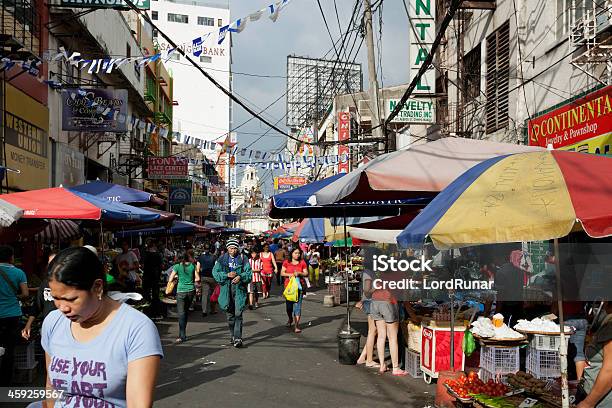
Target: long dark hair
77	267
297	248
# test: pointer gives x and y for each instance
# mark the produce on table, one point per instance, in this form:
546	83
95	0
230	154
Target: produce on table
494	402
528	382
467	386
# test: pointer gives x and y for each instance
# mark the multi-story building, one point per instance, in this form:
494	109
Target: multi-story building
67	143
23	97
203	110
527	71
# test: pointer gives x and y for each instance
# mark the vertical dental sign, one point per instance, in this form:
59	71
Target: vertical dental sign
422	14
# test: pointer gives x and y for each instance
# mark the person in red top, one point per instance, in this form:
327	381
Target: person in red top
295	267
268	268
255	286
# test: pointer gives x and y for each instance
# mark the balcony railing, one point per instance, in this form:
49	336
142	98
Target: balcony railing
20	26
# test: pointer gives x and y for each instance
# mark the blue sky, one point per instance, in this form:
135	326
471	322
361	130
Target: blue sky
262	48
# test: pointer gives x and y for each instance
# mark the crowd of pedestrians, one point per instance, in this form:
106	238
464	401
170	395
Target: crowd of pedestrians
83	302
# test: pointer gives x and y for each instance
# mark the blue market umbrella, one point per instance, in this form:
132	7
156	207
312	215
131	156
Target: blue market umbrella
116	193
296	203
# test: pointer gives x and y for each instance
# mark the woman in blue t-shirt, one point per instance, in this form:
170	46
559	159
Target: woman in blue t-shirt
99	352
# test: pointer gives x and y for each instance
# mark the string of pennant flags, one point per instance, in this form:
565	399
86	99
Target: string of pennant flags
107	65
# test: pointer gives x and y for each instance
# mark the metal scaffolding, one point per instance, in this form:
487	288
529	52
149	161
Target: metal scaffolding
312	84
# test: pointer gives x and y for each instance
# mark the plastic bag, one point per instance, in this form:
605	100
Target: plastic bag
215	295
291	291
468	345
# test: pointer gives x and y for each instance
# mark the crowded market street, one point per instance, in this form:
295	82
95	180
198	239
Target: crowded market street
276	367
306	203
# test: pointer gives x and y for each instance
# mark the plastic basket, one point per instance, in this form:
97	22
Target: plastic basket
500	360
543	364
25	357
548	343
25	375
413	364
487	375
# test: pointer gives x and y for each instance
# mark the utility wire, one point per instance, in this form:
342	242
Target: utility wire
209	77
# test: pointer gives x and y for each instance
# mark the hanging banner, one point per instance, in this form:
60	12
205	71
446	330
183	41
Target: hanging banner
180	192
344	133
167	168
415	110
69	166
115	4
583	124
95	110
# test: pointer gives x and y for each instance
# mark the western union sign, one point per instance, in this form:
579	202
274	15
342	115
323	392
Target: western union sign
141	4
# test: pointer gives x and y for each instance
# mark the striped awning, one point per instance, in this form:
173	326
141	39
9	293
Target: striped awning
58	230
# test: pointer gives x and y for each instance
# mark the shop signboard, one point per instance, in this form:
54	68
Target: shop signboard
95	110
422	14
167	168
289	182
415	110
27	150
344	132
115	4
217	191
583	124
69	166
180	192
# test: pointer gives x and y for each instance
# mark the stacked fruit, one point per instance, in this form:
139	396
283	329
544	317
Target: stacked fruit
465	386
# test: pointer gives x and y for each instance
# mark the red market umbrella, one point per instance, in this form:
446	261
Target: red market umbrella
61	203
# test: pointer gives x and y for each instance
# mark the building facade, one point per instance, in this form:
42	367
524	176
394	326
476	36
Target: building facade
505	67
203	110
52	133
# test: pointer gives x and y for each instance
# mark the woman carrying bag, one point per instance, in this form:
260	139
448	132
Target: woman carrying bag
296	267
188	278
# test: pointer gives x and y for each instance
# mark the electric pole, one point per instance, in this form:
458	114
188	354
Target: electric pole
374	101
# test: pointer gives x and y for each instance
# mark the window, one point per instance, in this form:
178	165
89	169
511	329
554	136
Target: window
205	58
220	22
498	78
178	18
566	15
175	56
128	50
155	33
154	15
206	21
471	75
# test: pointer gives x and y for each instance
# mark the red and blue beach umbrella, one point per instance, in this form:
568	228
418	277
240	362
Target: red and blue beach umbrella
519	197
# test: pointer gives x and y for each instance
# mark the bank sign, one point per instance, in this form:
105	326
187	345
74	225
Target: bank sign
116	4
415	110
583	124
422	14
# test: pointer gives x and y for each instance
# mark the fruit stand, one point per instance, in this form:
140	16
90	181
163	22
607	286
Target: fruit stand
522	390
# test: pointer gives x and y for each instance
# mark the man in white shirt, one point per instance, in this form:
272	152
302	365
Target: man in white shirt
128	256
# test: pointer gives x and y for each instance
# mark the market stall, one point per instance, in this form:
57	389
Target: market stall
491	204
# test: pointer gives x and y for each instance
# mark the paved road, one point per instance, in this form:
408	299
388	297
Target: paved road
276	368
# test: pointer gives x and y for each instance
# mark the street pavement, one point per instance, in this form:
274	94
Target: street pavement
276	367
